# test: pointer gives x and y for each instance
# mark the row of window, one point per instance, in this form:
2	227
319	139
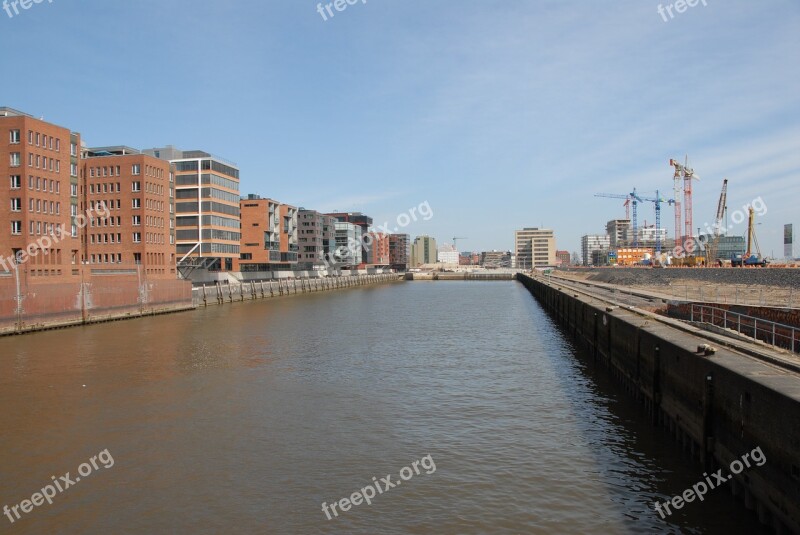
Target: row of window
41	140
37	205
38	228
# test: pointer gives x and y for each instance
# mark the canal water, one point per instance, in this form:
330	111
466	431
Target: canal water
246	418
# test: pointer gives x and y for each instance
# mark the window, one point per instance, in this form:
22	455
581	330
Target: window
137	237
16	204
16	227
136	169
14	137
137	203
73	169
16	160
73	149
137	220
58	145
58	166
73	190
16	181
136	186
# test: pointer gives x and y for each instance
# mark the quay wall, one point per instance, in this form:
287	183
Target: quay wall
100	295
222	292
718	407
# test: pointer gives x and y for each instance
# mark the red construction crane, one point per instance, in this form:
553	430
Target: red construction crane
688	174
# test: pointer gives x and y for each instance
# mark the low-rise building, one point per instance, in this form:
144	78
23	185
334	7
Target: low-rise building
629	256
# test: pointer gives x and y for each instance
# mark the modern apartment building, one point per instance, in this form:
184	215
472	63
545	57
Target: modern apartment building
364	222
534	247
316	238
591	243
378	250
423	251
348	251
130	196
39	164
399	251
619	231
269	235
207	218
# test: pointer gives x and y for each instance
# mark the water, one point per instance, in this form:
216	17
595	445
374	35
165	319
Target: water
246	418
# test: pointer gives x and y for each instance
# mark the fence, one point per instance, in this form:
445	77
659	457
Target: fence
776	334
737	295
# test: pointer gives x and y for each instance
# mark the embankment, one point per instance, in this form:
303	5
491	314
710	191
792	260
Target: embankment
718	407
230	292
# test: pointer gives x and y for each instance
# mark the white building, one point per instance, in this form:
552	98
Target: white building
348	244
448	254
591	243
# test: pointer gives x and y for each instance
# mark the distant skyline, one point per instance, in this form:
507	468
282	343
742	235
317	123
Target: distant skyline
499	114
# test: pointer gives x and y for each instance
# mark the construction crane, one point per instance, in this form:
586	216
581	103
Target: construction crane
683	171
455	242
627	205
749	258
658	200
634	199
630	199
722	207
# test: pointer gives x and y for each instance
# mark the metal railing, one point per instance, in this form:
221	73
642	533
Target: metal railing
737	295
776	334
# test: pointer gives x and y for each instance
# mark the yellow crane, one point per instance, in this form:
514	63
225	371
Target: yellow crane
722	207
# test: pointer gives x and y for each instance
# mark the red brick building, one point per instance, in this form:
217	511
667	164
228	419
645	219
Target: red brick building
39	166
269	235
378	249
130	196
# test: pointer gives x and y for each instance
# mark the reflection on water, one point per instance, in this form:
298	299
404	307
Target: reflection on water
246	418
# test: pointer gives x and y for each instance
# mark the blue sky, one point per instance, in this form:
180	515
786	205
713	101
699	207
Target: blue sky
499	113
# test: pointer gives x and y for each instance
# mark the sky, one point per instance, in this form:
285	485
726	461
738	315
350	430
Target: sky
499	114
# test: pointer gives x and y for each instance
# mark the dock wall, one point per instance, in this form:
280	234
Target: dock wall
717	407
95	297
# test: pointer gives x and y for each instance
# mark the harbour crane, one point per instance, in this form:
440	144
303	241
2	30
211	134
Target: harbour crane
683	171
722	207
